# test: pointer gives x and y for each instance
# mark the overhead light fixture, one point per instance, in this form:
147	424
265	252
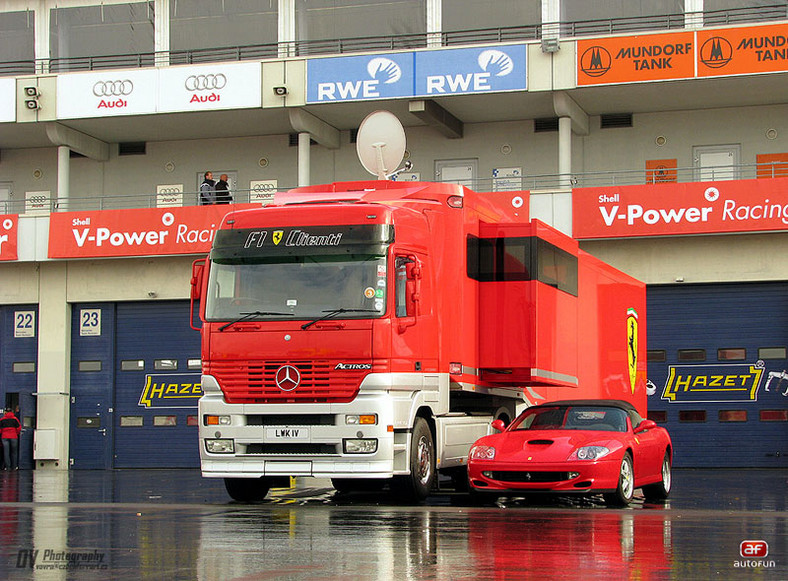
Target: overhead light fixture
280	91
550	45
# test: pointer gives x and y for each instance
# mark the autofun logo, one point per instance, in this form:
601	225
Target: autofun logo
381	71
199	84
112	93
754	555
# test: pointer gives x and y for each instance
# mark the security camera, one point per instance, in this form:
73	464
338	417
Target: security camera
280	91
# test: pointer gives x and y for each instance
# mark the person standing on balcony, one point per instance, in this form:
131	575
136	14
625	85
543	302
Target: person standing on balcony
223	195
208	190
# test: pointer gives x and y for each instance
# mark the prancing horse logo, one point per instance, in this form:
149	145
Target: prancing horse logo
287	378
277	237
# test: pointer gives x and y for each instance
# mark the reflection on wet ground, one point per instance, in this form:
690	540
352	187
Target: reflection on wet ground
172	524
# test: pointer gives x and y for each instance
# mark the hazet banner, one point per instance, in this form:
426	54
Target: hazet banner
8	237
140	232
713	383
179	390
674	209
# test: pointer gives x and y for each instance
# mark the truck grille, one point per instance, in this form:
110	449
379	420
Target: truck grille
255	382
292	449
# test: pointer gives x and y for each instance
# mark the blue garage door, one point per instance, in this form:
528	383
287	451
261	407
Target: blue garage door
157	385
92	380
19	370
719	368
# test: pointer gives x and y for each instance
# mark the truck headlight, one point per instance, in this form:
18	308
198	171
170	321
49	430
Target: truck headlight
220	446
362	419
216	420
360	446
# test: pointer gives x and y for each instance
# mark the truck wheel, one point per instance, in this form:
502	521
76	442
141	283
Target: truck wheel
247	489
626	485
418	484
660	490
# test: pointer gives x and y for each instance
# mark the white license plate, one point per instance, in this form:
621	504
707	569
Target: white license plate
284	433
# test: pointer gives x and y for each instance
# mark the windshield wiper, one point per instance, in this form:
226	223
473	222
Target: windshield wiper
335	312
247	316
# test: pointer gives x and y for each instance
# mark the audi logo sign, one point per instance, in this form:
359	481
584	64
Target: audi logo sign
165	90
205	82
113	88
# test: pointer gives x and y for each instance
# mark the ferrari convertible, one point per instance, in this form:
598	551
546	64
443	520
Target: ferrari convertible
580	447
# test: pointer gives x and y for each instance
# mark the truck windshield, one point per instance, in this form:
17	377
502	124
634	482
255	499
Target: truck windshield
296	287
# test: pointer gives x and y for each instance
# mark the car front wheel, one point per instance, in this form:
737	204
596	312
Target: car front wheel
626	484
660	490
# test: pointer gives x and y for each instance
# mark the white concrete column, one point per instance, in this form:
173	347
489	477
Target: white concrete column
41	39
63	176
161	32
693	13
304	140
286	19
54	360
434	18
565	151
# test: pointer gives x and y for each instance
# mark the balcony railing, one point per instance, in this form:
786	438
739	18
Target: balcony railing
774	12
533	183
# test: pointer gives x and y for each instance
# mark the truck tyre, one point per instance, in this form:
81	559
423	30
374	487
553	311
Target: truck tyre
660	490
418	484
626	485
247	489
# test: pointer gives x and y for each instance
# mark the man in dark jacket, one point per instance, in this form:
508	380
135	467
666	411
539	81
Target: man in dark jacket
9	432
208	190
223	195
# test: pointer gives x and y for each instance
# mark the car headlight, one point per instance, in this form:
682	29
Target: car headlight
590	453
482	453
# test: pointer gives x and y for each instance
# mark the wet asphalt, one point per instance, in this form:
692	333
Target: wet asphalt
173	524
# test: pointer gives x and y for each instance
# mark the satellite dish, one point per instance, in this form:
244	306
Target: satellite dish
380	144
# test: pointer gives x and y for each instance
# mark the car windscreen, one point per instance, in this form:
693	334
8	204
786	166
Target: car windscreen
591	418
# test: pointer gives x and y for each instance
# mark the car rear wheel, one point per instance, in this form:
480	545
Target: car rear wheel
247	489
626	484
660	490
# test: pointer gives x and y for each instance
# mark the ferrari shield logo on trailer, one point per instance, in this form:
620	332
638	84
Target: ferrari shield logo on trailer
277	237
632	346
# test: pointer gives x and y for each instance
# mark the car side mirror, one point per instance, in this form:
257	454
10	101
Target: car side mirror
498	425
645	425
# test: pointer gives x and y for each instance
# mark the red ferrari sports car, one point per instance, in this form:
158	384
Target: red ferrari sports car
583	446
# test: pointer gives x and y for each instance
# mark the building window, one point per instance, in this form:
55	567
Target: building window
192	421
132	365
656	356
131	421
165	364
659	416
159	421
692	416
732	415
24	367
87	366
731	354
772	353
194	364
774	415
692	355
330	19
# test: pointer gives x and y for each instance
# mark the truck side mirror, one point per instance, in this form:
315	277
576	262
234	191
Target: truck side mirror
198	271
408	291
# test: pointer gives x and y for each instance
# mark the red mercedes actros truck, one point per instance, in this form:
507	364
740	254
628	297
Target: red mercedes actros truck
369	332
